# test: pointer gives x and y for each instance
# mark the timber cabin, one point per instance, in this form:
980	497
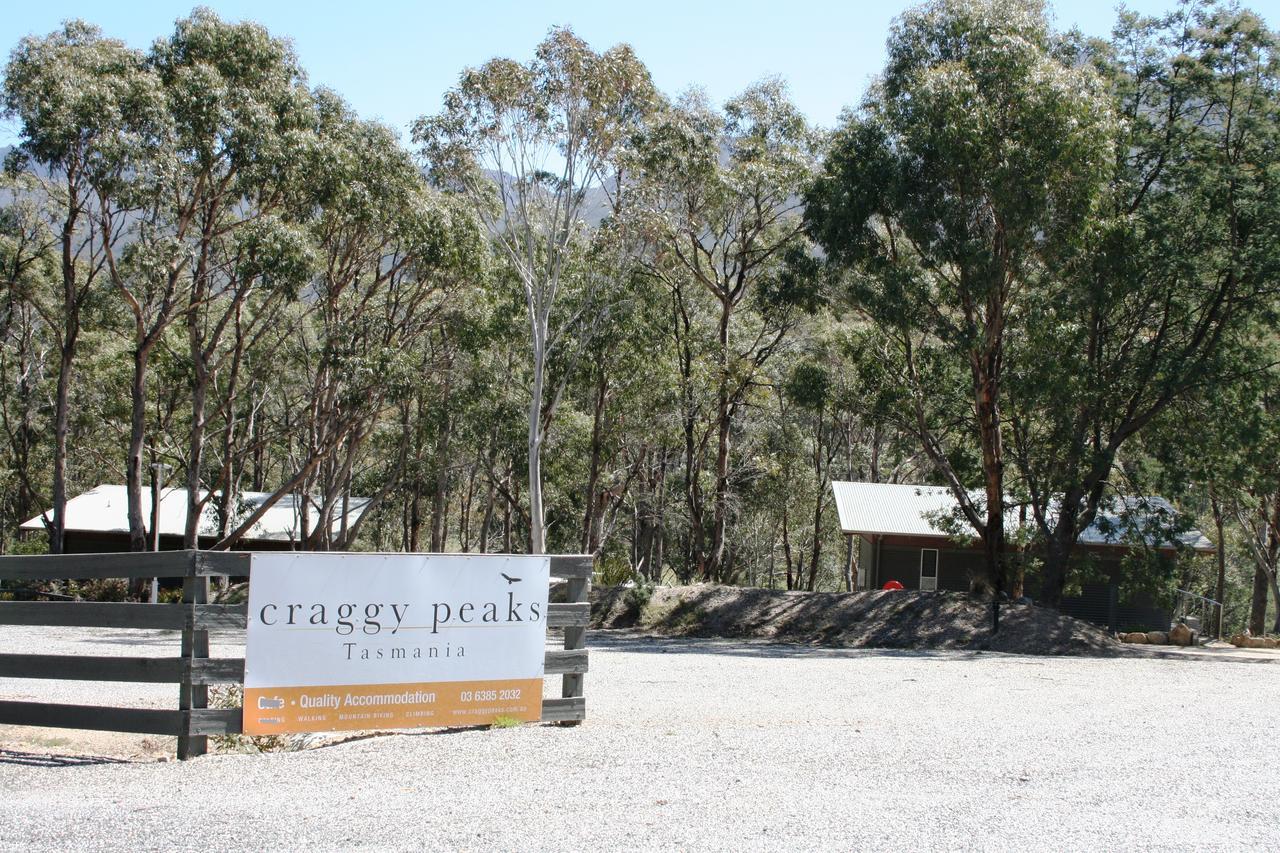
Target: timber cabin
902	536
98	521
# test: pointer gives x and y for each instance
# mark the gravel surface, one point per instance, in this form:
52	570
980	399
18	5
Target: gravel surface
720	745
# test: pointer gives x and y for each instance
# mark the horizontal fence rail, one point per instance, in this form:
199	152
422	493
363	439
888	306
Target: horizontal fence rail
174	617
145	564
194	670
184	564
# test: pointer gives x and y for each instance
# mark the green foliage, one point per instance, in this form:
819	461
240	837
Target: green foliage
639	594
231	697
653	330
107	589
975	163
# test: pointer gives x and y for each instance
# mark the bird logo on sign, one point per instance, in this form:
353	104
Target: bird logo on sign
509	579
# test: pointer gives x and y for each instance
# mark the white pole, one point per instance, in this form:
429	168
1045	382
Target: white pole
157	472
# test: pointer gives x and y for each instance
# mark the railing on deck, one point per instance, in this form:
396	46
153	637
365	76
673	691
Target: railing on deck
1204	615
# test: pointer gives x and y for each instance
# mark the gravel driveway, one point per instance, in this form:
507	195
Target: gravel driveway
712	745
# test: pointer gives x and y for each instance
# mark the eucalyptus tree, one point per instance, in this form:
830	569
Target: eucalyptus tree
976	161
85	104
619	388
1255	504
823	390
199	236
240	119
390	254
719	199
534	149
28	272
1168	299
1232	452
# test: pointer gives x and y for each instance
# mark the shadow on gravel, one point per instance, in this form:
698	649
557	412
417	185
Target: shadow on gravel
156	639
903	619
1197	655
643	644
49	759
637	642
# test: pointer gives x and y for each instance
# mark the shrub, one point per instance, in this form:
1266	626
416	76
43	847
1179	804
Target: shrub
504	722
103	589
231	696
639	594
613	569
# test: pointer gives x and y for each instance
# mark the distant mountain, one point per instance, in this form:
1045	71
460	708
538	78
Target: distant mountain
595	206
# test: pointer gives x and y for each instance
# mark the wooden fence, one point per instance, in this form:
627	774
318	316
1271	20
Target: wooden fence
193	670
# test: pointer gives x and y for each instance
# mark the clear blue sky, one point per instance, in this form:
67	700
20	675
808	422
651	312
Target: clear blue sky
393	60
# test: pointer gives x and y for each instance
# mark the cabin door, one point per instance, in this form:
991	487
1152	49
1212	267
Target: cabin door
929	569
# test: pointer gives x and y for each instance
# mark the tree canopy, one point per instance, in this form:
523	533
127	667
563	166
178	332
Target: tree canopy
578	314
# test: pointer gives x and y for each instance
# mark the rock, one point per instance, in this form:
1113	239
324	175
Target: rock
1246	641
1181	635
1134	637
1157	638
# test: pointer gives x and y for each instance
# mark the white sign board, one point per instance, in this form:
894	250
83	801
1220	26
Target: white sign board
374	641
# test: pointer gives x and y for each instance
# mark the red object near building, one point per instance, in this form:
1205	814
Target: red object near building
892	585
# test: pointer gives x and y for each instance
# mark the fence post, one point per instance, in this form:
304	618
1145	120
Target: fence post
578	591
195	644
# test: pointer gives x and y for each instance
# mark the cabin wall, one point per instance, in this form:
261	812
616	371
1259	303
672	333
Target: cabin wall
86	542
885	558
902	563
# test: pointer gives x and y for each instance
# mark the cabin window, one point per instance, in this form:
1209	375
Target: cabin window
929	568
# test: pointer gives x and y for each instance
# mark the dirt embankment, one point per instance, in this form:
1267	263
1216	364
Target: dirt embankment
900	619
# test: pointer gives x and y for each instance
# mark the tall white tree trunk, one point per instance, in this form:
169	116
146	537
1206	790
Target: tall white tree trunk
537	535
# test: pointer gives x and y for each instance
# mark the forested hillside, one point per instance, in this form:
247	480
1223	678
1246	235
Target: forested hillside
573	313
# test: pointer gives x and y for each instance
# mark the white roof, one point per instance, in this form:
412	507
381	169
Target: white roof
894	509
105	510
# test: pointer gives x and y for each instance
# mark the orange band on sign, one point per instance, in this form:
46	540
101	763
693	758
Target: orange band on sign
283	710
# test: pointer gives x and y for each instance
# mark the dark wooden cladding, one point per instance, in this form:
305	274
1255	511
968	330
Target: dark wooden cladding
177	564
574	614
147	721
214	721
219	563
93	614
154	670
570	566
575	639
569	710
565	662
217	671
193	695
132	669
92	668
221	617
147	564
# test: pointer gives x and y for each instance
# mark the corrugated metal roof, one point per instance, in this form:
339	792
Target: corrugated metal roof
894	509
105	510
